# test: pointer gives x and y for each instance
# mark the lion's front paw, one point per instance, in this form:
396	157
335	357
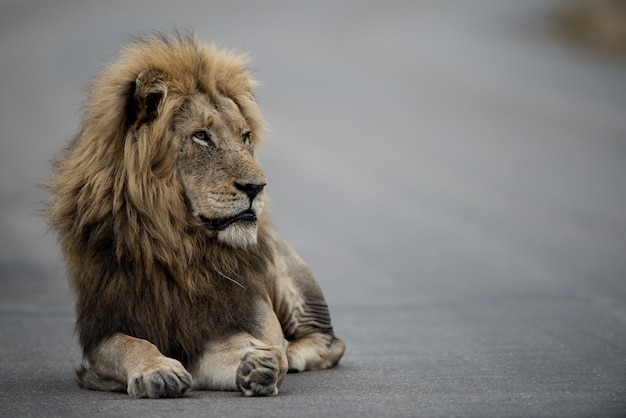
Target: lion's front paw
159	378
262	370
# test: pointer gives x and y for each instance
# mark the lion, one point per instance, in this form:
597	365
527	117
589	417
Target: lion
160	209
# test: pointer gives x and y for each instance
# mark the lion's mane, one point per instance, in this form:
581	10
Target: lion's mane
138	262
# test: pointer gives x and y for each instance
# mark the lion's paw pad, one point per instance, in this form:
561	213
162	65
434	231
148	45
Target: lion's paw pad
259	373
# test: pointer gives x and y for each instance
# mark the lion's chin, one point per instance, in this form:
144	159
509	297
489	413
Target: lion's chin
239	234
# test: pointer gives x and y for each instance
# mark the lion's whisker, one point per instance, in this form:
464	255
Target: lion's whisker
228	278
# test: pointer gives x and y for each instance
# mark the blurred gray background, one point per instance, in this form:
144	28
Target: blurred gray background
453	172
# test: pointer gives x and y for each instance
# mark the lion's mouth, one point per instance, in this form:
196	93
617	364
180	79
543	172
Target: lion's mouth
220	224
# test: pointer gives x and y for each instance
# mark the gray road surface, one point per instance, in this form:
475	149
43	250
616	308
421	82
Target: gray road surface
455	177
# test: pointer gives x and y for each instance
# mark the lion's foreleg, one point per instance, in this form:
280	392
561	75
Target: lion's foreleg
241	362
122	362
254	366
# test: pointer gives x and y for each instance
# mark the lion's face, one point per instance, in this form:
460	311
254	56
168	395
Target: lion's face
221	179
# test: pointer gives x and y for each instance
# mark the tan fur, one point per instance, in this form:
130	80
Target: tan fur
159	206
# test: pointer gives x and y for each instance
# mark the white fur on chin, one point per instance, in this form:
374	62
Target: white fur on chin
239	235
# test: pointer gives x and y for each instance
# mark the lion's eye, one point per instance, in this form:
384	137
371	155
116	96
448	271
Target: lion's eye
201	137
246	138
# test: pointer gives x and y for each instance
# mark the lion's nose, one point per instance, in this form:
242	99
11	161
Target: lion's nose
251	189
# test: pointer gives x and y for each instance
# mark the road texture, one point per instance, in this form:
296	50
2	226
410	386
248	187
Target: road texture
454	175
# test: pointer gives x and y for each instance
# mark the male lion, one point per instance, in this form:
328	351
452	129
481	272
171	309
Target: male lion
158	203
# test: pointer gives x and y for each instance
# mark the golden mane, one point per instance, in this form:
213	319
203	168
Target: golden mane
121	216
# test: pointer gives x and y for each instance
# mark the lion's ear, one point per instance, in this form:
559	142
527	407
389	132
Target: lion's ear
150	90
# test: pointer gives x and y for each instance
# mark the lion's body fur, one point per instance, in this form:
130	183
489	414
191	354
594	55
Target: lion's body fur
138	261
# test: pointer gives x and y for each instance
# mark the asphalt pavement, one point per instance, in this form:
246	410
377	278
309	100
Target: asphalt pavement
453	173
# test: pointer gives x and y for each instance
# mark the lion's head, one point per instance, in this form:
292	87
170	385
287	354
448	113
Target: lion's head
170	131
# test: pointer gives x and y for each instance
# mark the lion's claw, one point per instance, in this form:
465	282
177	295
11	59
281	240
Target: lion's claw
168	378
